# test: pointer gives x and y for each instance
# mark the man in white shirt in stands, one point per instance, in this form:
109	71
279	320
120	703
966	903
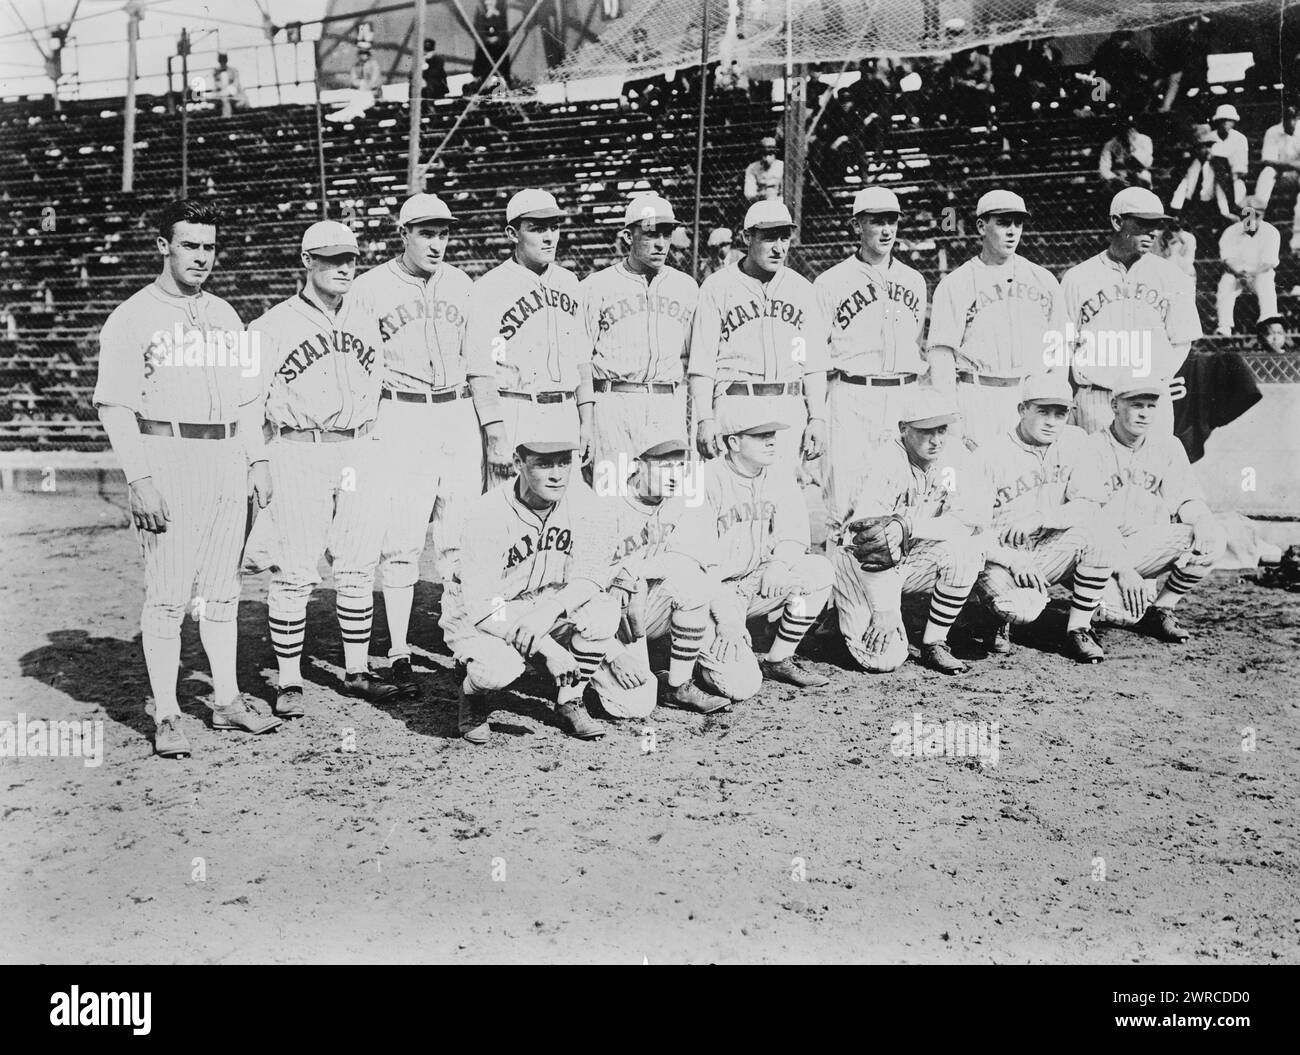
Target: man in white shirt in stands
1249	249
1231	146
1281	156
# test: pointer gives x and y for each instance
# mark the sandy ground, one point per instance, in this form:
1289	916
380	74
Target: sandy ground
1124	820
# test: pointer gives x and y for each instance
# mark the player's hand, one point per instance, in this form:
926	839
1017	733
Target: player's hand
259	483
1205	540
708	439
731	638
500	458
776	581
814	439
883	627
1021	532
628	671
1024	574
530	628
1133	592
148	507
563	667
586	442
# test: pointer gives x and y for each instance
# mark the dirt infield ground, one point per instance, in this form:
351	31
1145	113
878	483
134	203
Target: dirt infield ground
1123	821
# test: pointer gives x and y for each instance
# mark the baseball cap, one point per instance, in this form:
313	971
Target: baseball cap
875	199
768	142
329	238
533	204
996	201
1151	386
928	409
541	431
1139	202
1051	386
423	207
768	213
649	207
664	449
1226	112
742	418
721	236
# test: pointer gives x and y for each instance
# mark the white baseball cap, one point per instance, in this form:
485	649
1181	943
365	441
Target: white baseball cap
1151	386
1139	202
771	212
1226	112
875	199
928	409
996	201
547	429
742	417
329	238
424	207
649	208
533	204
721	236
1050	386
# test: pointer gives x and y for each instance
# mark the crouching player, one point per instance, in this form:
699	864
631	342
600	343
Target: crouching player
921	502
531	583
664	541
1047	520
1159	509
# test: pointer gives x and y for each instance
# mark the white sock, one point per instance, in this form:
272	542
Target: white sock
397	607
219	642
162	658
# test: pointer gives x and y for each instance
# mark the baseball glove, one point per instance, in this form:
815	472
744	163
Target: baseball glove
878	543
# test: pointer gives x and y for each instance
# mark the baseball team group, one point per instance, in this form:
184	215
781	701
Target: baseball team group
601	464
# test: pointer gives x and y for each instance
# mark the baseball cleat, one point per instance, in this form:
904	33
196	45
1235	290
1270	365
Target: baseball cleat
472	720
1082	646
370	687
575	721
289	702
169	741
690	697
938	656
787	671
1162	623
247	713
401	675
1000	643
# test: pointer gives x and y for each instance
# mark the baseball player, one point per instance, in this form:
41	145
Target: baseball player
526	341
761	526
427	431
1250	250
1047	522
875	308
664	541
324	354
1130	315
759	337
531	582
638	313
179	423
934	489
992	321
1157	505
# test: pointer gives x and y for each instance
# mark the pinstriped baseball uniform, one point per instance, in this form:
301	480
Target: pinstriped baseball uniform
997	319
747	330
1151	303
875	315
640	328
154	361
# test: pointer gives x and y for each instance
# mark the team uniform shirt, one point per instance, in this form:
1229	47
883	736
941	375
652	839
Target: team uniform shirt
324	369
174	358
1251	253
954	485
527	330
1146	484
1278	146
875	316
1025	478
1150	301
996	317
1235	149
421	322
747	330
640	328
646	531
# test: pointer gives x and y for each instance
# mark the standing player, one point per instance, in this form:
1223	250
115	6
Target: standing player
992	321
1132	313
325	362
1157	505
531	582
638	313
939	494
1047	522
182	432
526	341
875	308
759	339
761	525
427	433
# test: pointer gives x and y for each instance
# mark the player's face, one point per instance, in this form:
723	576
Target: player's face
536	241
545	475
768	247
649	248
426	244
1001	234
878	230
664	476
1137	235
190	254
1135	415
925	444
1042	422
755	448
331	275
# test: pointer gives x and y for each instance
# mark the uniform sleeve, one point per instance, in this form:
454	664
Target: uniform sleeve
971	500
1184	322
922	300
1181	484
946	326
481	326
696	533
585	334
790	522
482	579
706	331
595	531
1087	480
590	313
1056	314
121	365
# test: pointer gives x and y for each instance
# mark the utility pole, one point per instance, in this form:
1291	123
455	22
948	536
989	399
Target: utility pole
133	16
413	179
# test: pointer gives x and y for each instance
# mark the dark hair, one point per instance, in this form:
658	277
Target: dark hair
186	210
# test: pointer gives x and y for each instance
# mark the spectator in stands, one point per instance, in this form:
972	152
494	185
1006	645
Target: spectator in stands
720	252
1199	199
1272	335
1178	246
1126	158
434	72
1182	52
731	86
971	86
9	323
679	250
493	29
873	98
642	92
1281	157
1250	251
1230	154
763	178
367	79
1127	72
227	87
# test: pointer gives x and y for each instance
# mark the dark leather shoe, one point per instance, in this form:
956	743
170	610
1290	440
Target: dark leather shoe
690	697
575	721
1082	646
370	686
938	656
787	671
1000	642
472	722
401	675
289	702
1162	623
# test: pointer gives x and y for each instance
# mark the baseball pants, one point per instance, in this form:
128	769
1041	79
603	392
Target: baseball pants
1092	411
787	408
1056	555
987	411
945	570
1152	552
1264	286
859	418
626	423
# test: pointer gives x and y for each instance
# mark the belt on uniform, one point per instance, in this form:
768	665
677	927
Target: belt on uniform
324	435
601	384
969	378
441	396
187	430
887	382
764	388
537	397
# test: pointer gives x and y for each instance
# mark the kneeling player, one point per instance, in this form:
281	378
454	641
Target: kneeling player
1157	505
530	583
924	499
1047	521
